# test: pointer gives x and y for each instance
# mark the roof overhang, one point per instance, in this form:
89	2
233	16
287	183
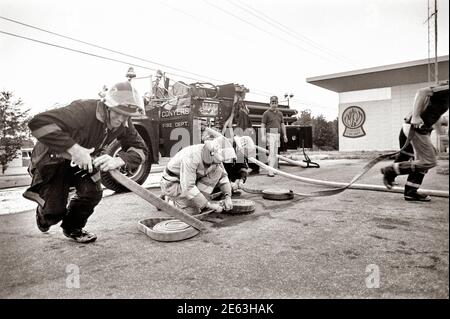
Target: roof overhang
382	76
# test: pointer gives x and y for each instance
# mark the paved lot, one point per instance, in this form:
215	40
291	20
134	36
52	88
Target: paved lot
327	247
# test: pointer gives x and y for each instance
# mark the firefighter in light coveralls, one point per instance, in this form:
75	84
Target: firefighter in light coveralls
68	138
429	105
191	175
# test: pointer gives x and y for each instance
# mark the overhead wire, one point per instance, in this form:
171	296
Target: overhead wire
274	23
257	27
265	31
255	92
197	18
89	53
265	94
110	50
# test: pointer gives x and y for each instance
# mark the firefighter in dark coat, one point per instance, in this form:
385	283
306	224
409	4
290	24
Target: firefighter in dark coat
68	154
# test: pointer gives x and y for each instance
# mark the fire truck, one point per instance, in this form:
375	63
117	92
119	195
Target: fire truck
176	111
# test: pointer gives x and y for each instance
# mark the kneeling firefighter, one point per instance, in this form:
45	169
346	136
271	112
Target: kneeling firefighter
68	139
191	175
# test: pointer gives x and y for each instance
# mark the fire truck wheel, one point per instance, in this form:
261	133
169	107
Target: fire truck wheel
139	175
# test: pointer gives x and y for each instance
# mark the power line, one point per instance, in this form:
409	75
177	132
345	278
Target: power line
257	27
265	31
114	51
296	34
196	18
110	50
255	92
90	54
106	58
274	23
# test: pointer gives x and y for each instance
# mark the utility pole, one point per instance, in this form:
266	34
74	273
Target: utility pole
432	38
288	97
436	71
428	40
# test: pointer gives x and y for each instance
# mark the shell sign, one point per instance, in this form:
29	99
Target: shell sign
353	118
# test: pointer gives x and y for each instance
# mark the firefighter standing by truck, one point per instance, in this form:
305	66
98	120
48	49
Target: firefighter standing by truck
68	138
271	127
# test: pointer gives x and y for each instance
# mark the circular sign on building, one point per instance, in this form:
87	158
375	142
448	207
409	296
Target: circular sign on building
353	118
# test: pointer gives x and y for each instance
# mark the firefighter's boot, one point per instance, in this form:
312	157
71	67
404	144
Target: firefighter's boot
414	196
80	235
40	220
389	176
412	185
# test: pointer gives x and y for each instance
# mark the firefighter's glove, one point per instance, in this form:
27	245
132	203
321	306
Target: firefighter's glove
215	207
107	163
227	203
285	139
81	157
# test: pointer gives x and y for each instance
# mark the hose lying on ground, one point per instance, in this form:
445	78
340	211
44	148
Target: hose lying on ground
340	187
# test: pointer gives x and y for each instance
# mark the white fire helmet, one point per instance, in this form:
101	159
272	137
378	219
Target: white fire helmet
221	149
123	98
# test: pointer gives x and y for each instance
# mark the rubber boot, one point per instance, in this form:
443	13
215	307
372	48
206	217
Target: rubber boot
389	176
40	220
80	235
414	196
412	185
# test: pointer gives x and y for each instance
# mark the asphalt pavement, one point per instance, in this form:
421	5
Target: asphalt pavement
357	244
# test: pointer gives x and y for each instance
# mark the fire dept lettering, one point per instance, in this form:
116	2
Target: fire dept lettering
175	124
181	124
353	118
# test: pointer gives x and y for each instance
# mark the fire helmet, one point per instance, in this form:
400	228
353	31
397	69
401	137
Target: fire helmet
123	98
221	149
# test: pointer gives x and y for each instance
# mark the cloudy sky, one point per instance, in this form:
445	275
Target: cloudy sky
270	46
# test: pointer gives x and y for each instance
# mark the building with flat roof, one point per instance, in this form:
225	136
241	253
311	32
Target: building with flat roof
373	102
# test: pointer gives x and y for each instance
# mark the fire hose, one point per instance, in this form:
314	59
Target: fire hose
339	186
151	198
287	159
156	201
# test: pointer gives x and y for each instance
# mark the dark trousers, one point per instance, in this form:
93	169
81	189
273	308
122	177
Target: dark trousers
234	170
55	193
415	178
